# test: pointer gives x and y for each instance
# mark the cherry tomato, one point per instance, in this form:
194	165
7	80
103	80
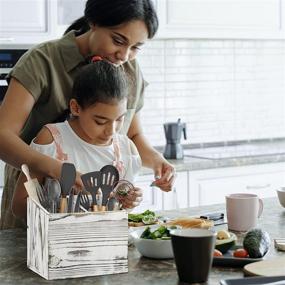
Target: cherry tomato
240	252
217	253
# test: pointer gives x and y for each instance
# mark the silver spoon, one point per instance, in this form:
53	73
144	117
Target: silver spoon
54	191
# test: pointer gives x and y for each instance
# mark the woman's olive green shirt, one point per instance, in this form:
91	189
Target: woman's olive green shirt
47	71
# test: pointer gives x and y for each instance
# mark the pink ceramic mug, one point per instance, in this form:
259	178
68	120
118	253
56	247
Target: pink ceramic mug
243	210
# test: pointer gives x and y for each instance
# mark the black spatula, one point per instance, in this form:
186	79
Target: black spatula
67	180
92	182
110	176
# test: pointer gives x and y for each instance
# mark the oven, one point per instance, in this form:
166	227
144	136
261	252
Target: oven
9	55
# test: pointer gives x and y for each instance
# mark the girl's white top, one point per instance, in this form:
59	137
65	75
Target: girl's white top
88	157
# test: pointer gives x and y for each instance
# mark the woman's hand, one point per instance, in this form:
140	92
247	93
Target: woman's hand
164	174
133	198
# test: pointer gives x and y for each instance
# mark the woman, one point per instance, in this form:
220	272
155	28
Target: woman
41	82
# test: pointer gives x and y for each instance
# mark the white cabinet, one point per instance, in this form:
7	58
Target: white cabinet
178	197
211	186
155	199
152	196
35	21
67	12
25	21
244	19
206	187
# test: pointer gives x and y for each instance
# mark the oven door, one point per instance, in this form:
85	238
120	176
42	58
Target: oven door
3	86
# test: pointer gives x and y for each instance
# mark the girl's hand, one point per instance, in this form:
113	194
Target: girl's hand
78	182
133	198
164	174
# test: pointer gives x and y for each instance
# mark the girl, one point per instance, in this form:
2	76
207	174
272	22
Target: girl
90	139
40	89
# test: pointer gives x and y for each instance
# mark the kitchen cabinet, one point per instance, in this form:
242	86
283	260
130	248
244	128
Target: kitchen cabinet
226	19
25	21
211	186
152	196
179	196
35	21
155	199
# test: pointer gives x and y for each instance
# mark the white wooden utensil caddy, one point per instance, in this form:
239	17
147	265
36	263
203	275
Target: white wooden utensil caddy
70	245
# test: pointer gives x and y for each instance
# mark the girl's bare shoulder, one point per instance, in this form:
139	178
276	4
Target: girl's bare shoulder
44	136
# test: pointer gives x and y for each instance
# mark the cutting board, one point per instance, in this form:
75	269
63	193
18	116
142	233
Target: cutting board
270	267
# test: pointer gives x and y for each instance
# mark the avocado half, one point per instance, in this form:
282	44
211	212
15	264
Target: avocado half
223	245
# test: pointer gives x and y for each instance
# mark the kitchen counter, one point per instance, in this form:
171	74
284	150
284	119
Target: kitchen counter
209	156
13	268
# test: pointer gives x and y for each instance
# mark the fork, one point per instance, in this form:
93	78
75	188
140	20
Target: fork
84	202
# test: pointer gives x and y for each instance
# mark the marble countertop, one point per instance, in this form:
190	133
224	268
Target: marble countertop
13	269
199	157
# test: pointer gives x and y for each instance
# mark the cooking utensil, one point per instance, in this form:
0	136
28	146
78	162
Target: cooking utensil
32	184
217	217
99	198
113	204
110	176
84	202
54	191
270	267
43	197
77	203
92	182
67	180
70	201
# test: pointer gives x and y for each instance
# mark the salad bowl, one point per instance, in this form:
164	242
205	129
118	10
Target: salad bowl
157	248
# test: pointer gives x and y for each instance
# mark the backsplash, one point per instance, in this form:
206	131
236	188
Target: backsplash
225	90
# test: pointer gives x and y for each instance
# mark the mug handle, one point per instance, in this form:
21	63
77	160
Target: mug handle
260	207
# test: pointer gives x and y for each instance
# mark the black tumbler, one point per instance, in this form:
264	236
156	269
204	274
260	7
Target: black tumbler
193	253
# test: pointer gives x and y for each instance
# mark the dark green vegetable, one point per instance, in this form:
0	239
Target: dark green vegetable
147	215
256	242
146	233
160	233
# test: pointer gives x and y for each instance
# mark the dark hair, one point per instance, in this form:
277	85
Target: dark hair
100	82
108	13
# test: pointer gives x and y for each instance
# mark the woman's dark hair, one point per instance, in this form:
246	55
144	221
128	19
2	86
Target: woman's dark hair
108	13
100	82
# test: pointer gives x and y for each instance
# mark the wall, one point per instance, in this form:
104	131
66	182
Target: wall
224	90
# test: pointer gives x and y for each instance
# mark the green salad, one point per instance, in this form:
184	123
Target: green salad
147	217
161	233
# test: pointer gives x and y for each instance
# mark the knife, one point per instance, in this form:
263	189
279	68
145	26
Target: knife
213	216
217	217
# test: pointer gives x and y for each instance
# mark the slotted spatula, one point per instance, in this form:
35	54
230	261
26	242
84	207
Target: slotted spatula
67	180
92	182
110	176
